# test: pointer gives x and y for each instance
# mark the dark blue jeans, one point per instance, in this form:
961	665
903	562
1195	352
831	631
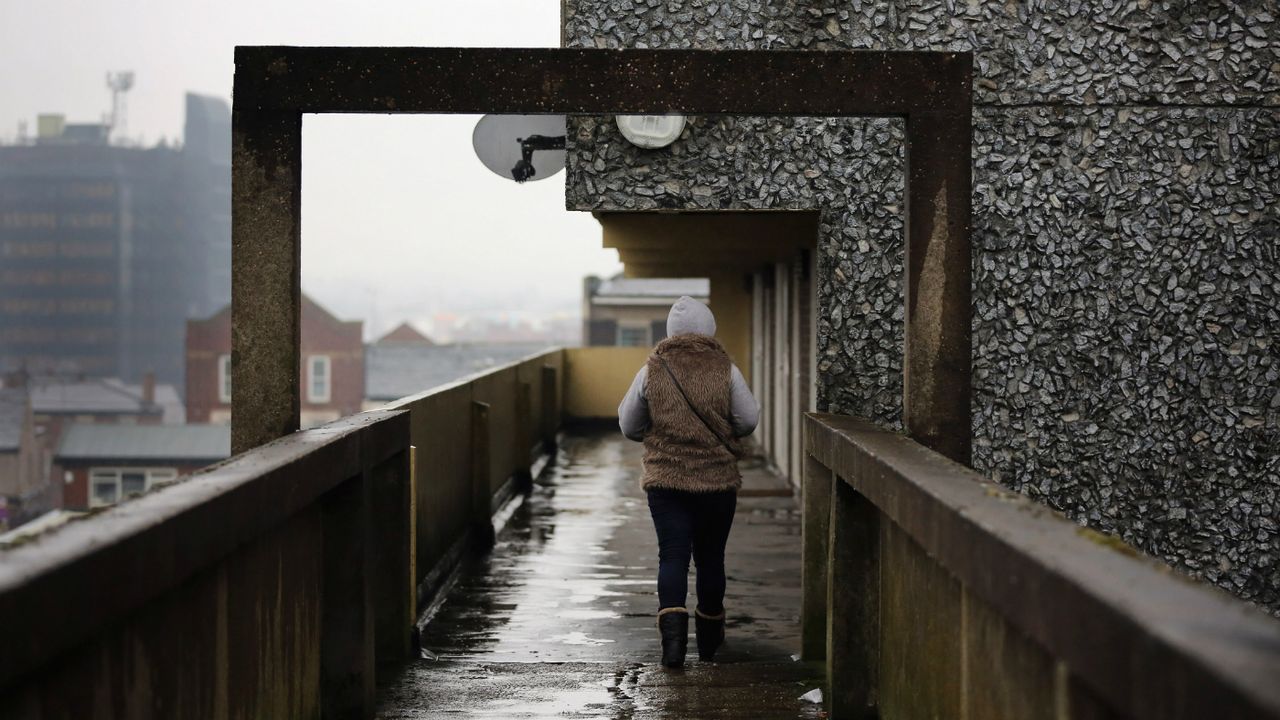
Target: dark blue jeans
694	524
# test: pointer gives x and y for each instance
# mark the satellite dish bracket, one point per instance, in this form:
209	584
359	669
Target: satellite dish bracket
524	169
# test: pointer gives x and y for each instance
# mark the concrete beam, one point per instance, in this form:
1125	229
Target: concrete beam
744	257
274	86
668	270
710	231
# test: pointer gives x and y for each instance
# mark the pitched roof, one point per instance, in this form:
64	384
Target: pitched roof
83	396
393	372
103	396
654	287
404	334
309	306
189	443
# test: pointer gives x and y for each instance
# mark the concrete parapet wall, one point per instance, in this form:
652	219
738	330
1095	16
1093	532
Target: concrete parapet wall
596	378
930	592
254	588
274	584
516	424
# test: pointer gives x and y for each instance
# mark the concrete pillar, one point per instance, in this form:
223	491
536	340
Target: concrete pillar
347	663
853	604
391	538
550	409
936	363
481	497
266	286
815	521
523	436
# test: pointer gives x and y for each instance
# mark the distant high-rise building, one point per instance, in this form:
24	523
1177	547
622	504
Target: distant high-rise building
106	250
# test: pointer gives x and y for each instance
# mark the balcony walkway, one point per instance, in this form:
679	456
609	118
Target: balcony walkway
558	622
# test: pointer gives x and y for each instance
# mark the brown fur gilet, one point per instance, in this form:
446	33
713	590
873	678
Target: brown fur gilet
680	453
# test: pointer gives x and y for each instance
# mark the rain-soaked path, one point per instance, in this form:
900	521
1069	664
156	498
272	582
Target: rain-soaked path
558	622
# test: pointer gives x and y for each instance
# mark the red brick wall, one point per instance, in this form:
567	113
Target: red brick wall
75	494
206	341
322	334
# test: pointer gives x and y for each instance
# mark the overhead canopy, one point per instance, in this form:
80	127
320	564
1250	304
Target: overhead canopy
704	243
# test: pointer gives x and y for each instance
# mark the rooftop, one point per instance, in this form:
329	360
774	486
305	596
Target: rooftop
404	334
400	370
654	287
103	396
193	443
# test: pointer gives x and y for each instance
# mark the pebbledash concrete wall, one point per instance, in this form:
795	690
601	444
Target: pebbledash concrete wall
1126	241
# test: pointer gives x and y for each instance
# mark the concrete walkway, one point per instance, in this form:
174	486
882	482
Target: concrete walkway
558	622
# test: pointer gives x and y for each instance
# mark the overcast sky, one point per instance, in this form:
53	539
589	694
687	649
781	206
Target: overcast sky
399	219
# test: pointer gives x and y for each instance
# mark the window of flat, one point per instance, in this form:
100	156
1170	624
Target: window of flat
224	378
633	336
107	486
318	379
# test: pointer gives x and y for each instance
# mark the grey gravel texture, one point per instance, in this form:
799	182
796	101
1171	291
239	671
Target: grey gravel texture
1127	253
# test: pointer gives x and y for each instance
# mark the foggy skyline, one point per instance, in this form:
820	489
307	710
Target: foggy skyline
400	220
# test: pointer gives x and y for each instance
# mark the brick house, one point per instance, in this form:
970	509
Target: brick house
332	368
103	464
633	311
59	402
25	490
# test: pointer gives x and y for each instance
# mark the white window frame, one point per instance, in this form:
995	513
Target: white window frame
314	361
224	378
115	476
644	330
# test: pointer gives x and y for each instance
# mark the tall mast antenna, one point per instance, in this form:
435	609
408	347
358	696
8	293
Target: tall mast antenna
120	84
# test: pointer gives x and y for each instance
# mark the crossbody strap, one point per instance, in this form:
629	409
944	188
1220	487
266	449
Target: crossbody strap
694	408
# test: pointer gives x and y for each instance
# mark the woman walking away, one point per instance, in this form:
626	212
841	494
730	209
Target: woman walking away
689	405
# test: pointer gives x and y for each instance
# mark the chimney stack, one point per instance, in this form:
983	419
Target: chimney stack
149	388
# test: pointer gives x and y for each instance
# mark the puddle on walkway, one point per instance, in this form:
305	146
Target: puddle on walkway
578	638
558	621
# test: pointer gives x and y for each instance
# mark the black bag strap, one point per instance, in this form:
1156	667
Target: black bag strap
694	408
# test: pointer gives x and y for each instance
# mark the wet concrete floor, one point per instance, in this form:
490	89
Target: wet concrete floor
558	621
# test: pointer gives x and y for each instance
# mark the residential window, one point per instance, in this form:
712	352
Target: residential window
633	336
132	483
224	378
104	488
318	379
108	486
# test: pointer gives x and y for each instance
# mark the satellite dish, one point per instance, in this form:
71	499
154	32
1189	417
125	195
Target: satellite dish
521	147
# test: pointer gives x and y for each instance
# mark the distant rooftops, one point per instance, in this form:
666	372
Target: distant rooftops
405	335
399	370
55	396
194	444
622	290
13	407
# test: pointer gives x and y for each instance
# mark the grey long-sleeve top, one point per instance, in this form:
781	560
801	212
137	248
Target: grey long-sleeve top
633	413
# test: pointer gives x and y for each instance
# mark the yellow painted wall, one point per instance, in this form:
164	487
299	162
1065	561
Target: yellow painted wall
731	303
596	378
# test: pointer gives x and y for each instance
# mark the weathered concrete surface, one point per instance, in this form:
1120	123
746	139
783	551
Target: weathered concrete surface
559	620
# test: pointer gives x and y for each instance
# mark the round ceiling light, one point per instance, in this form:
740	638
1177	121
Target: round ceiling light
651	131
